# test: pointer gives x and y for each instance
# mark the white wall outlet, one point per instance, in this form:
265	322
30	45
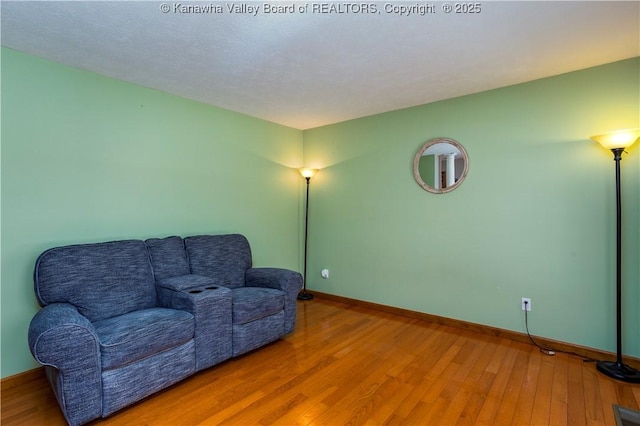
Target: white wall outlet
526	304
324	273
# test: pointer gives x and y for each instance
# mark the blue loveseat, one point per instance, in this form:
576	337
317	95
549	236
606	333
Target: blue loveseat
123	319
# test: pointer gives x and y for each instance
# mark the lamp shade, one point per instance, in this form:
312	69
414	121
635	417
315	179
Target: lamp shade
618	138
307	173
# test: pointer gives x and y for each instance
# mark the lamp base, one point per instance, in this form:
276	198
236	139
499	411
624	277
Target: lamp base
305	296
619	371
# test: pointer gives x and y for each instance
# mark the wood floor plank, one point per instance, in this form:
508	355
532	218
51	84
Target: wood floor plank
432	376
526	398
479	388
594	414
542	400
624	394
506	409
391	393
359	366
607	396
576	412
496	392
558	413
466	379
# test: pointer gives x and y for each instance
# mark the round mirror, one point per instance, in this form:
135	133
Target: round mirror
440	165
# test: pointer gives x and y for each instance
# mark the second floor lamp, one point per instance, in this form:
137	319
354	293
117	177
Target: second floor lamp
307	174
617	142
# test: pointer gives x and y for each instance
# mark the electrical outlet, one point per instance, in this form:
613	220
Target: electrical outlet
324	273
526	303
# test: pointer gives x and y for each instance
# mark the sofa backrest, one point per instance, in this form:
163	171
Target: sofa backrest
102	280
224	258
168	257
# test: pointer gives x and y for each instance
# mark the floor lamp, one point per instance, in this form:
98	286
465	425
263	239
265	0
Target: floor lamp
617	142
307	174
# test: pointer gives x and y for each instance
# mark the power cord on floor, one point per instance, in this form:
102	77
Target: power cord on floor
544	350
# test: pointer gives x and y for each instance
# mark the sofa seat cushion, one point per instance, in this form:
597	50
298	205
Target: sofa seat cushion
252	303
187	282
136	335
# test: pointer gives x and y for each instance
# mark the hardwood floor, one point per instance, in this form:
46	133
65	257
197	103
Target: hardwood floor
350	365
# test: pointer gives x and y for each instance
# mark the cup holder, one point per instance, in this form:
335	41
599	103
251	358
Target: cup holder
200	290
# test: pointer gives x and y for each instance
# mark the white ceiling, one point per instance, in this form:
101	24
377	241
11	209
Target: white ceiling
309	69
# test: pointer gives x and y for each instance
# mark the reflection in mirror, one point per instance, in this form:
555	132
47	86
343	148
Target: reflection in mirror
440	165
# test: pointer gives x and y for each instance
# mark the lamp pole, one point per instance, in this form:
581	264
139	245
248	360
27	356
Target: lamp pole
617	142
307	174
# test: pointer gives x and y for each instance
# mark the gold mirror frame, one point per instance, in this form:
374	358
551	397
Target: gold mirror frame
416	165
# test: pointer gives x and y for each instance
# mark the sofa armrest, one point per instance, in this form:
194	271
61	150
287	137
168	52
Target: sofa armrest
60	337
284	279
210	306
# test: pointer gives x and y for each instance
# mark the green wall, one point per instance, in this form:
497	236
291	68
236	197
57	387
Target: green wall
86	158
534	218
